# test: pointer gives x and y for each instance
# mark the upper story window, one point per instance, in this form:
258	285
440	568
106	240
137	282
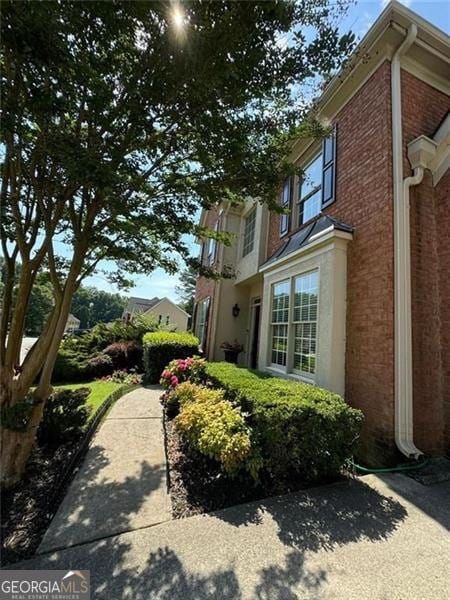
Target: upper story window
286	202
249	233
209	249
316	188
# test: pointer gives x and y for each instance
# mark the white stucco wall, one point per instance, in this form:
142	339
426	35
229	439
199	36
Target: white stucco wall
329	257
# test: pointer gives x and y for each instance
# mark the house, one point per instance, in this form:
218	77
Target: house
351	289
163	310
72	324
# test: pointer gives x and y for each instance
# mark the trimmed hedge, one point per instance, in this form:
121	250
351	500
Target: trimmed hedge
161	347
303	431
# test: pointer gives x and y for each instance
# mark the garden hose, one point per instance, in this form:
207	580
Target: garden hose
398	468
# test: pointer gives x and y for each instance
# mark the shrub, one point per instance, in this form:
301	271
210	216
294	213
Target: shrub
100	365
161	347
126	354
70	366
303	430
183	369
214	427
187	392
65	416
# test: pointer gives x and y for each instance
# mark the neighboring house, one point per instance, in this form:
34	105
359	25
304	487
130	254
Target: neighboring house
163	310
351	290
72	324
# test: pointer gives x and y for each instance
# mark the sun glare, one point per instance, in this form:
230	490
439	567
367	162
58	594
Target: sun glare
178	17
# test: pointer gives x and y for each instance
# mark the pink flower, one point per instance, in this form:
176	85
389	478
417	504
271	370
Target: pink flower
174	380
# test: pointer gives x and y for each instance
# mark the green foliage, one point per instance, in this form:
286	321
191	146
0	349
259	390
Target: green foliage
66	415
93	306
84	357
72	364
187	392
161	347
185	290
302	430
214	427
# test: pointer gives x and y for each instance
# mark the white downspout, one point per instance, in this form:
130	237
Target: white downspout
402	265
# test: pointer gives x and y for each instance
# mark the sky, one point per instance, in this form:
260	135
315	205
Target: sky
359	19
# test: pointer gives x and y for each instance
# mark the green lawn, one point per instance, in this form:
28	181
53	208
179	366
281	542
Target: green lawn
100	390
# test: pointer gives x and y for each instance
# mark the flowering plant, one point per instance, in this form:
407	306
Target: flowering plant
182	369
123	376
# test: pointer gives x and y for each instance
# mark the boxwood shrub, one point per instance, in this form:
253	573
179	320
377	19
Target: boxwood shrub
160	347
303	431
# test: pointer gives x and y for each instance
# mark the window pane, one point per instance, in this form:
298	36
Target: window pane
249	233
312	177
311	206
305	319
280	318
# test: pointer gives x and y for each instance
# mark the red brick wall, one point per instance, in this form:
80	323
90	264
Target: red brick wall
364	200
423	110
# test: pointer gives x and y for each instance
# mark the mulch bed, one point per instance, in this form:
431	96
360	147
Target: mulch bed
27	509
197	485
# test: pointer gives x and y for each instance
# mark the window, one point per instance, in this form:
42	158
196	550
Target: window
305	322
295	329
211	248
286	198
201	318
310	190
316	187
280	322
249	233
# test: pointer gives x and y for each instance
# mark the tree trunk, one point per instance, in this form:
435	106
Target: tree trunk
16	447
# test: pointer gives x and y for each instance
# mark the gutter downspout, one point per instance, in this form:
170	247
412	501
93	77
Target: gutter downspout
402	265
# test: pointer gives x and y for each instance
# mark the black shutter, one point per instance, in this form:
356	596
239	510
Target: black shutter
285	219
329	169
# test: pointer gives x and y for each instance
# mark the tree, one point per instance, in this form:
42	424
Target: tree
120	121
185	290
93	306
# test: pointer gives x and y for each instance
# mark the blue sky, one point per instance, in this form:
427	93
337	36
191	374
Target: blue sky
359	19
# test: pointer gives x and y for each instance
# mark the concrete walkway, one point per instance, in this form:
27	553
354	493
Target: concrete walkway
121	485
377	538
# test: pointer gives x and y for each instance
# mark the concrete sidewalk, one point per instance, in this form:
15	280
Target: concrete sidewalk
374	538
121	485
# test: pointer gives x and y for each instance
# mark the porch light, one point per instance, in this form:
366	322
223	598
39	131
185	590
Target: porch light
236	310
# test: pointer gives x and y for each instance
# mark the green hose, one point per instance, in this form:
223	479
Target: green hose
403	467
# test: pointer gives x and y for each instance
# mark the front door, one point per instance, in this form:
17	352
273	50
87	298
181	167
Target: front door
254	342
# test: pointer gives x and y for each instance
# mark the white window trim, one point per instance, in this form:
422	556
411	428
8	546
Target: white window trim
288	370
246	217
328	254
